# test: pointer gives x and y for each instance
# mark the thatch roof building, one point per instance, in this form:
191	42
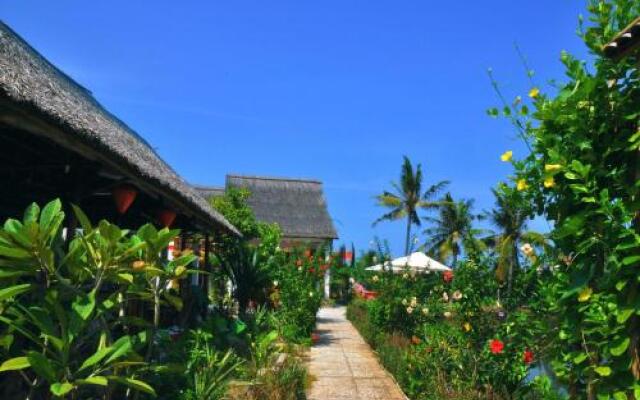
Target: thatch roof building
298	206
624	43
58	141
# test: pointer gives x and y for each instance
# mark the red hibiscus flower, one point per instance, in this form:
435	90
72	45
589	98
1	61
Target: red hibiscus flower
527	356
447	276
496	346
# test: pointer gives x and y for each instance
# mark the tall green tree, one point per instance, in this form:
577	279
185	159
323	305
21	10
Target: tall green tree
407	197
510	216
452	232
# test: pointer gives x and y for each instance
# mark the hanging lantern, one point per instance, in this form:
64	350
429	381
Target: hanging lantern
166	217
123	196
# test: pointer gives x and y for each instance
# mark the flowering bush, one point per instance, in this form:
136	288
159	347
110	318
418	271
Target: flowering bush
461	341
582	174
296	294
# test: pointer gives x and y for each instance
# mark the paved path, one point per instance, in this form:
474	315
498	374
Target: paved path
344	366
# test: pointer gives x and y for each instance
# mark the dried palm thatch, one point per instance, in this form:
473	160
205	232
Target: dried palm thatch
29	82
298	206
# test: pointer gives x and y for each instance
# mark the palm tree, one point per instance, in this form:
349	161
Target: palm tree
408	197
510	216
452	231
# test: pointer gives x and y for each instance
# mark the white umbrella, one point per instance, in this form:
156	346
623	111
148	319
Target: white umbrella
418	262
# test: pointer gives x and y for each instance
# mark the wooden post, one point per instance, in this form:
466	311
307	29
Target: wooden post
206	267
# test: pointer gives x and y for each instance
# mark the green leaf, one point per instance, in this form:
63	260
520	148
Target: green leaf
603	371
13	291
133	383
49	214
126	277
620	396
619	346
15	364
93	380
84	305
61	388
121	347
630	260
5	273
95	358
623	315
579	358
42	366
239	327
14	252
31	213
82	218
6	341
570	176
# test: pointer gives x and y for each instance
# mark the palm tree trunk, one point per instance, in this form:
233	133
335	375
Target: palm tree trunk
408	238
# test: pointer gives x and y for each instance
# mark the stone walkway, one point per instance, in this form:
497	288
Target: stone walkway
344	366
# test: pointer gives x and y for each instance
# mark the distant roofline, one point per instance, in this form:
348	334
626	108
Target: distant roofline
275	178
206	187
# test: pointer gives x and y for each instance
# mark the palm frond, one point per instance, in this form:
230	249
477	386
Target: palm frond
393	215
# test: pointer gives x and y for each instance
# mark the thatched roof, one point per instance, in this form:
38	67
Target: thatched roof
29	82
625	42
297	205
209	191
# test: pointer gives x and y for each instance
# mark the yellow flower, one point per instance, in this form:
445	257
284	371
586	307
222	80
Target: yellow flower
534	92
522	185
585	294
552	167
173	284
138	265
467	327
507	156
549	182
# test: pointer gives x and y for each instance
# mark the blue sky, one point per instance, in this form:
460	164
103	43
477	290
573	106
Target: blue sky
333	90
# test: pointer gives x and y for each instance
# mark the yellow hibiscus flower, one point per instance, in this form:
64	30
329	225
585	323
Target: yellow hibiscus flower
534	92
507	156
549	182
522	185
585	294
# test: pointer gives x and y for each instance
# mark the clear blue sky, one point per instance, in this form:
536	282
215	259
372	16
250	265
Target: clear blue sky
333	90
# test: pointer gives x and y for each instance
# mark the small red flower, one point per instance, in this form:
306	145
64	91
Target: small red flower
447	276
496	346
312	270
527	356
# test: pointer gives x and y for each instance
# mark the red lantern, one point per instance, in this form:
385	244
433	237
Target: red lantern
166	217
124	195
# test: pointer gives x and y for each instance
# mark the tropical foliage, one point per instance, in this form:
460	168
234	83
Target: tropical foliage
572	307
408	198
452	232
86	316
